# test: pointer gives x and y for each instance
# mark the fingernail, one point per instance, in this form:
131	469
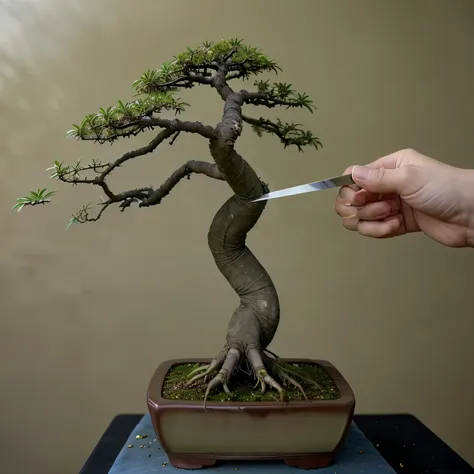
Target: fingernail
360	172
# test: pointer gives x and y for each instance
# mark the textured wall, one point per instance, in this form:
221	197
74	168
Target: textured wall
86	315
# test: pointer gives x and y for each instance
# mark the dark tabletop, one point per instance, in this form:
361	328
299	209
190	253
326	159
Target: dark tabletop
405	443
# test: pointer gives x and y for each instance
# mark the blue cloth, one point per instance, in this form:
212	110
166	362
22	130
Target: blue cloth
357	455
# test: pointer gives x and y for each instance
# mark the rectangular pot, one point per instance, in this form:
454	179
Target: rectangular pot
305	434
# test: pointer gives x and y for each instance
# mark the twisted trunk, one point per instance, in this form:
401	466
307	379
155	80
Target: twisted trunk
254	323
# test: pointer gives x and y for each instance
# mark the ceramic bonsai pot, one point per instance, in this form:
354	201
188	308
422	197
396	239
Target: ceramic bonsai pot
304	434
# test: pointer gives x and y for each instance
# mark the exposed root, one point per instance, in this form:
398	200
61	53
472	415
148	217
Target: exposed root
284	367
231	361
217	380
226	389
273	383
290	370
199	369
265	365
262	384
292	381
269	353
209	369
255	358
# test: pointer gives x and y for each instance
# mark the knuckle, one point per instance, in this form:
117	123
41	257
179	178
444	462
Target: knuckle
346	193
378	230
338	208
375	230
373	211
379	173
350	223
354	188
406	173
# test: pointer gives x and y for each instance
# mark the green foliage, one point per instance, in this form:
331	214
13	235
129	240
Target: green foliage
72	220
289	133
112	123
71	173
60	170
81	216
156	92
41	196
242	61
282	94
157	89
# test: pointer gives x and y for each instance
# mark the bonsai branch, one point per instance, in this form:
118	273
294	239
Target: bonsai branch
198	167
186	82
64	174
162	136
220	83
270	100
147	196
288	133
126	128
175	125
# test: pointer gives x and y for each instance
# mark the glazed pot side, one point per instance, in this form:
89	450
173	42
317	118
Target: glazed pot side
250	430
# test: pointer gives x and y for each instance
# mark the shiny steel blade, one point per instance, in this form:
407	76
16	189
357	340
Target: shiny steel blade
328	183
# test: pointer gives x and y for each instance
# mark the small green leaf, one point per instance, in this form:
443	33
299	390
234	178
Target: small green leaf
19	206
73	220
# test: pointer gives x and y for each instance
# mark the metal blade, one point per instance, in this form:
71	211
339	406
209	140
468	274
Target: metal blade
328	183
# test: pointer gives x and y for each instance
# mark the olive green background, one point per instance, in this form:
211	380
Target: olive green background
88	314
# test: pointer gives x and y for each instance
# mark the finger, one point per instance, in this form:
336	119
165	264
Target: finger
363	197
343	203
401	158
356	196
345	211
378	210
350	223
354	186
389	161
349	170
348	201
347	193
386	228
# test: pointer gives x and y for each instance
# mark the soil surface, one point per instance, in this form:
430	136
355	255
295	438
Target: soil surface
242	386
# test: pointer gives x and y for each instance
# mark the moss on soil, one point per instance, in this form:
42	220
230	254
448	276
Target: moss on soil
243	387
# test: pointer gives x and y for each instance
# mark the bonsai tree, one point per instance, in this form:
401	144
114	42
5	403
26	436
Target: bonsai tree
254	323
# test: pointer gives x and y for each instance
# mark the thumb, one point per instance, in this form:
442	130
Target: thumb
380	180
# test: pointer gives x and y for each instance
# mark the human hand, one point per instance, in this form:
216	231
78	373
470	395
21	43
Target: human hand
409	192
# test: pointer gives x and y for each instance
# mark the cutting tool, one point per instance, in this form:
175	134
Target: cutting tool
327	183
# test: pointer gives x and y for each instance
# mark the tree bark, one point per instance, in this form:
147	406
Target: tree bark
255	321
